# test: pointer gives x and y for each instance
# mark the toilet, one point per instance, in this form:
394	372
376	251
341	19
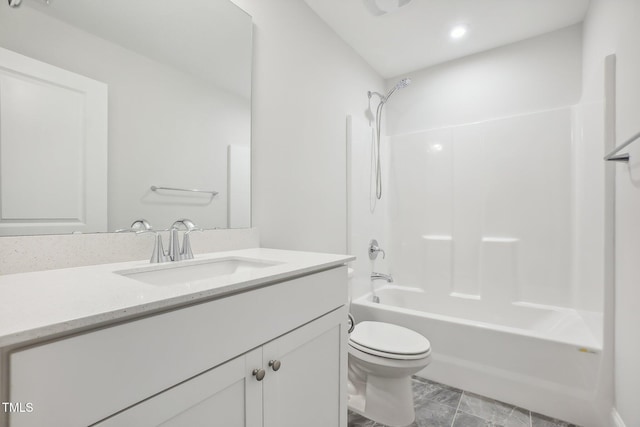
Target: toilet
382	358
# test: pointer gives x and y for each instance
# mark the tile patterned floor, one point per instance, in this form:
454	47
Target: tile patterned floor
438	405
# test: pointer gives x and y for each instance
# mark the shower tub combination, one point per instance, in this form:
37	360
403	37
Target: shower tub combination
543	358
482	219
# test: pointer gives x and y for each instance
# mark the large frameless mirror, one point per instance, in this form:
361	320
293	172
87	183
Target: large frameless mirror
116	110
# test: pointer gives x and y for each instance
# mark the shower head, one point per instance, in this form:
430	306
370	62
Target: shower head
403	83
400	85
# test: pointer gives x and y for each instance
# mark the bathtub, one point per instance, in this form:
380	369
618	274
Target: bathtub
543	358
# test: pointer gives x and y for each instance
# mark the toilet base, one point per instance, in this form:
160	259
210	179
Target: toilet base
386	400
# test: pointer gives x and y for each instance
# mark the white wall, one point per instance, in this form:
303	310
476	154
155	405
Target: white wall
305	82
611	27
164	128
532	75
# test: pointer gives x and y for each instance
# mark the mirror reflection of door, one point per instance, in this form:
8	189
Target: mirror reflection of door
53	149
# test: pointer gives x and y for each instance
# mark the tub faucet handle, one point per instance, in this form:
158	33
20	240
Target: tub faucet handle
374	249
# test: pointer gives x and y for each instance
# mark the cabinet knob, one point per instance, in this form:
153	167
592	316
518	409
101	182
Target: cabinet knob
259	374
275	364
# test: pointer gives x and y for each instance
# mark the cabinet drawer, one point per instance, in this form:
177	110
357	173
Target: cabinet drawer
80	380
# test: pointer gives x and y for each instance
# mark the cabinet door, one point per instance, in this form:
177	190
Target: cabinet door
226	396
309	388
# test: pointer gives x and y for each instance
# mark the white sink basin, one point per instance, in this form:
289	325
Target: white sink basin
192	271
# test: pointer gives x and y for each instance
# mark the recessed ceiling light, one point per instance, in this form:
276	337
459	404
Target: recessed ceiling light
458	32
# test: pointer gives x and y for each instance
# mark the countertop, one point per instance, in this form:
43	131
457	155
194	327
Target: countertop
34	306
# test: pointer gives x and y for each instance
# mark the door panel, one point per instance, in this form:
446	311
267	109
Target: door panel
53	149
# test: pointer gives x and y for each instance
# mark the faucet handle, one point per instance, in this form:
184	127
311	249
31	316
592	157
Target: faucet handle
158	255
174	250
186	252
374	249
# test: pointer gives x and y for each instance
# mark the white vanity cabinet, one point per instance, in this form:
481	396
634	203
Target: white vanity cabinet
304	390
196	365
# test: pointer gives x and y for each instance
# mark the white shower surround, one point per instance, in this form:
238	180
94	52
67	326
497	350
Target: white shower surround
493	223
505	210
485	235
485	210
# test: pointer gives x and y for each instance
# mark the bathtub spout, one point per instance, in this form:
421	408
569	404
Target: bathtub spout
381	276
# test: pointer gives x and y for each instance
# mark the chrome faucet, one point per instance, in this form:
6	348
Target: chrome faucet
381	276
158	255
142	226
175	252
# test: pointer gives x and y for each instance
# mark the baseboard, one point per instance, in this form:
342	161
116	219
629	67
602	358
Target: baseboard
616	420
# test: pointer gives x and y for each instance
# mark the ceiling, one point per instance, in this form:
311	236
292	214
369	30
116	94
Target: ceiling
416	35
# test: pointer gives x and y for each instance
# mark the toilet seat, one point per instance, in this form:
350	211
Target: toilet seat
389	341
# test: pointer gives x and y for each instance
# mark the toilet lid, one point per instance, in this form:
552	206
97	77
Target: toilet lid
388	338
